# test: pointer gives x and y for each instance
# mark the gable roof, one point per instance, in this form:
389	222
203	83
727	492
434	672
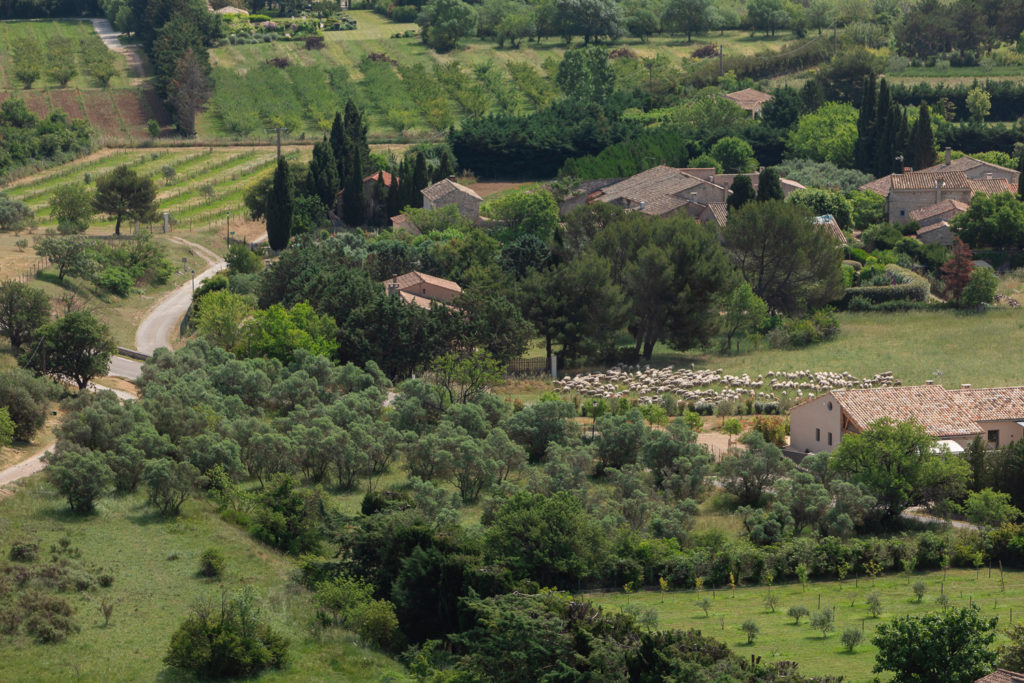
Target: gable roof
717	212
1002	676
931	227
445	187
748	98
879	185
1001	403
990	185
414	278
373	176
953	180
654	191
930	405
938	208
967	165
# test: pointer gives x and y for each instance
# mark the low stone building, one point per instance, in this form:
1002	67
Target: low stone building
750	100
446	192
422	289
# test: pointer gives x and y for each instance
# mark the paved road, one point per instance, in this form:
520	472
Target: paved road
127	368
161	324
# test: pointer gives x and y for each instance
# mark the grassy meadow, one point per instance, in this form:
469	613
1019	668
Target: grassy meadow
781	639
154	561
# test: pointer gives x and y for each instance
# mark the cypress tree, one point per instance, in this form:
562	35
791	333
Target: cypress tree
355	135
884	132
280	207
394	198
444	168
353	201
322	178
742	192
921	150
420	180
769	186
865	122
339	145
1020	176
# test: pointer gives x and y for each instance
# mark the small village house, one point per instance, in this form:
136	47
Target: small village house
422	289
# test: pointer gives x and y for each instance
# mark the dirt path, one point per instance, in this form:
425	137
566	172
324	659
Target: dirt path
23	469
131	53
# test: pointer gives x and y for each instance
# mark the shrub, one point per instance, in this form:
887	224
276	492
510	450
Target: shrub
229	641
751	629
705	605
797	612
919	588
47	618
851	638
771	601
211	563
823	621
874	604
910	287
116	280
773	429
24	552
376	624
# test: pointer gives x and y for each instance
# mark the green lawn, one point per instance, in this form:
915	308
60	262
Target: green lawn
780	639
154	562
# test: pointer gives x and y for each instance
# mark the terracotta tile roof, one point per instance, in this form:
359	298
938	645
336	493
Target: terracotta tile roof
968	165
879	185
931	227
990	185
930	405
953	206
421	301
413	278
647	187
373	176
829	222
718	212
748	98
1000	403
955	180
662	206
445	187
1002	676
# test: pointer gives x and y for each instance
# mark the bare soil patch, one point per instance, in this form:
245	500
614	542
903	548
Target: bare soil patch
129	104
67	100
37	102
101	113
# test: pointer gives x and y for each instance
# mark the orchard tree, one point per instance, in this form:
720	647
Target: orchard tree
71	205
23	310
70	253
585	75
75	348
123	193
689	17
952	646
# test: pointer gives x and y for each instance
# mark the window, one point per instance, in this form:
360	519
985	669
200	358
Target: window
903	212
817	434
830	438
830	405
993	437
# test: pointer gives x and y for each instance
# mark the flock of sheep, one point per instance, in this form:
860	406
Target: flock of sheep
649	384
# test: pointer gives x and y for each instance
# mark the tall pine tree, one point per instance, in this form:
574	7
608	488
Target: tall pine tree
921	150
355	136
280	207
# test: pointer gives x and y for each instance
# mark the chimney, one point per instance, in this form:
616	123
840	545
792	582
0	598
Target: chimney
929	381
393	285
949	155
939	182
988	176
451	178
965	386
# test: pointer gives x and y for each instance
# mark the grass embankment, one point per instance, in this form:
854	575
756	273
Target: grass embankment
780	639
154	562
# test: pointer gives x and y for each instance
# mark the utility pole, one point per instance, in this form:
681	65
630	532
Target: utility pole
278	131
227	227
721	63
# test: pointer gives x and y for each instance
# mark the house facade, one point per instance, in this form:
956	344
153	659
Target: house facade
954	417
422	289
446	192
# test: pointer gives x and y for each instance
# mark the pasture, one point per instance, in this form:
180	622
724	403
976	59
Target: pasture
781	639
154	563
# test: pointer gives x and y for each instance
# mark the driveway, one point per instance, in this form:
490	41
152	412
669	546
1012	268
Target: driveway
110	38
163	321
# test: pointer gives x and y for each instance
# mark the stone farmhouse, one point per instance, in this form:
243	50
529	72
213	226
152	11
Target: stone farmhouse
422	289
954	417
446	192
957	180
664	190
749	99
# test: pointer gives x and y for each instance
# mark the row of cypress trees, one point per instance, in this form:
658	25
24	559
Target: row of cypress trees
342	161
885	140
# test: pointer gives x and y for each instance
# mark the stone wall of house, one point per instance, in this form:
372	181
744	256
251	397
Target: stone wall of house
902	202
469	206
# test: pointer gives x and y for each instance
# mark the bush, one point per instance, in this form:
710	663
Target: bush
376	624
851	638
116	280
24	552
47	618
751	629
919	589
874	604
912	287
797	612
823	621
404	13
229	641
211	563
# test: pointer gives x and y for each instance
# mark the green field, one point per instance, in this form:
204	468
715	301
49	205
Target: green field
154	562
418	95
780	639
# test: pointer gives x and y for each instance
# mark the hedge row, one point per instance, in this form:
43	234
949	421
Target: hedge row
1007	97
790	59
916	288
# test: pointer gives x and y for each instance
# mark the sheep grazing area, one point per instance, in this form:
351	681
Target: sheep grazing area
711	387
